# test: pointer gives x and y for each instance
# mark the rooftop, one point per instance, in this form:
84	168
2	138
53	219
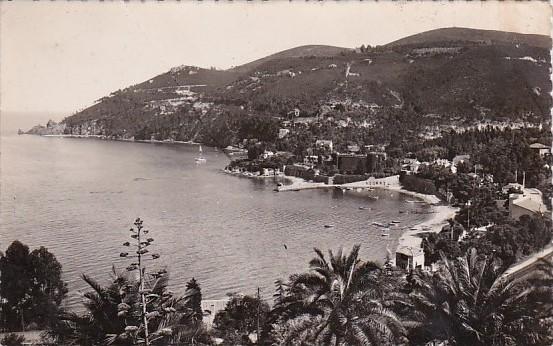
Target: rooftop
539	146
460	158
530	204
410	251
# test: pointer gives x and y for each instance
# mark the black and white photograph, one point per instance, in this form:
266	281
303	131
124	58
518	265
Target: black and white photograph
295	173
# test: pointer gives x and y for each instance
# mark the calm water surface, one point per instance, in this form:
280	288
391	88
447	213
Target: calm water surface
78	198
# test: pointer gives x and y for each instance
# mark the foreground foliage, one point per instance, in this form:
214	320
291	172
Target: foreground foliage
338	302
30	286
172	319
469	302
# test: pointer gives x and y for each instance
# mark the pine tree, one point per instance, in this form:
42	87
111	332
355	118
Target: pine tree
193	295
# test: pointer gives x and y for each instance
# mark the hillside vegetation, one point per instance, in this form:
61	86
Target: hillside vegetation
443	76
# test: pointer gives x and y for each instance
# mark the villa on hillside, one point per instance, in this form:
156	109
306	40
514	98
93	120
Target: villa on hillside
541	149
283	133
325	144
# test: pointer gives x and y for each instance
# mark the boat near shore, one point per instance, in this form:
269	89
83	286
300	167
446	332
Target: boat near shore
200	159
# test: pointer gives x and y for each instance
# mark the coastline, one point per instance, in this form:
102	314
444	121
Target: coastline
441	213
410	238
153	141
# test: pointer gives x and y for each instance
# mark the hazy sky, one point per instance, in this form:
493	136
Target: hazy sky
61	56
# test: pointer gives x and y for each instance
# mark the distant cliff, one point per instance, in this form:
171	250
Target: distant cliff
51	128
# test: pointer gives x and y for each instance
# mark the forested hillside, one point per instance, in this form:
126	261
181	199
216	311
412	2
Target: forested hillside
448	76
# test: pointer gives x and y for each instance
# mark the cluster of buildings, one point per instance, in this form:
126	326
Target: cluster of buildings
353	161
522	201
412	166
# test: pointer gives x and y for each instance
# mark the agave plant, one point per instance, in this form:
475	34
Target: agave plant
338	302
113	315
133	309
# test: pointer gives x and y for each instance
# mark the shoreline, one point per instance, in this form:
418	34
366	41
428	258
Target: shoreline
410	238
150	141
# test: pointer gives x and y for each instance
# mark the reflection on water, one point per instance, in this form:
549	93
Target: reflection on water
78	197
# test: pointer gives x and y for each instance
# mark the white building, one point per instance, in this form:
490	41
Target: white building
283	133
529	202
514	186
212	307
409	258
266	154
324	143
541	149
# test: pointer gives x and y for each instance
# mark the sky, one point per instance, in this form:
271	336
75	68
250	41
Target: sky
58	57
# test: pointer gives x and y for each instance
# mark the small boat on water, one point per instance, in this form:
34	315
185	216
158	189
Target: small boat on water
385	234
200	159
362	208
379	224
329	226
395	222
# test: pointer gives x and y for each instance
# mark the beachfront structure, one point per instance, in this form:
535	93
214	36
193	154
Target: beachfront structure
529	202
541	149
351	163
409	258
212	307
300	171
360	163
375	161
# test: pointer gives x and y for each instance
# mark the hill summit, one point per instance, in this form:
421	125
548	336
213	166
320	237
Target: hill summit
444	76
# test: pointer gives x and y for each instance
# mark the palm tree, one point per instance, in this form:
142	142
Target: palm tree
111	310
101	320
338	302
469	302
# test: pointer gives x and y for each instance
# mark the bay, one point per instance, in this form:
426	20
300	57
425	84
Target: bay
79	197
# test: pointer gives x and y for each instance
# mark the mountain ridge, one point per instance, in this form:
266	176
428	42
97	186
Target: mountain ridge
469	34
449	74
295	52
